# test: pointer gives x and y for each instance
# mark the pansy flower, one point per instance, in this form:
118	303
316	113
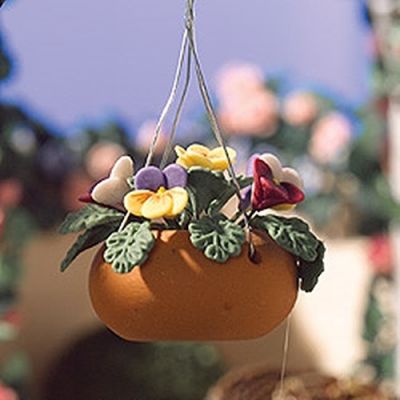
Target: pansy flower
197	155
111	190
159	193
275	186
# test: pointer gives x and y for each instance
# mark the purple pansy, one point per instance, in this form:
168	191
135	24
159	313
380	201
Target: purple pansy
153	178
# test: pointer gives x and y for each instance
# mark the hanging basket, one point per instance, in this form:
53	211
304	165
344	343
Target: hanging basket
216	276
176	264
179	294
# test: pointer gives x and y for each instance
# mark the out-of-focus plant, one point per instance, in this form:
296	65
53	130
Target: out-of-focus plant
338	148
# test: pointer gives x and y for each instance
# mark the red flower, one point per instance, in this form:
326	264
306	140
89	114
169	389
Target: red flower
274	186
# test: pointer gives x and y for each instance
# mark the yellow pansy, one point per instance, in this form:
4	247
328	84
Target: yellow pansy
152	205
198	155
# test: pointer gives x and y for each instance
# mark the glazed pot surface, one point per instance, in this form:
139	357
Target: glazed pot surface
179	294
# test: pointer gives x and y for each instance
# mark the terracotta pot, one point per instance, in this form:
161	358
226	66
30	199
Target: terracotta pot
179	294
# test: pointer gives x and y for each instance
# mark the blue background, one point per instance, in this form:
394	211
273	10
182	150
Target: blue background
86	60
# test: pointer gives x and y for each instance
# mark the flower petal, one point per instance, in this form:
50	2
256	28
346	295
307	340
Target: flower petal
295	195
180	200
135	200
274	164
198	155
290	175
219	160
180	151
261	169
110	191
123	168
175	175
198	149
184	161
157	206
149	178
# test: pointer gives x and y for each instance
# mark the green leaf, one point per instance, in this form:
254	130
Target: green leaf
217	237
204	186
309	272
217	204
130	247
292	234
89	217
87	240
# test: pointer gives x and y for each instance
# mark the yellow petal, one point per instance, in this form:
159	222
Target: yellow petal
199	149
219	160
180	151
134	201
180	199
284	207
157	206
185	161
198	155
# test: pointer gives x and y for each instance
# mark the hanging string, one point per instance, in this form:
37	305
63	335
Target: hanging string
170	100
185	90
163	115
284	358
190	27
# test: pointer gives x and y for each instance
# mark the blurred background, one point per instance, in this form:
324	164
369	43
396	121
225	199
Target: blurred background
83	83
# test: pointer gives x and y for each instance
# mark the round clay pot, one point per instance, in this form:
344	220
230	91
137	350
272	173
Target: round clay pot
179	294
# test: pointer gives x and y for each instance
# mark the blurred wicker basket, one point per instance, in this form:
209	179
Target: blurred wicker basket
260	383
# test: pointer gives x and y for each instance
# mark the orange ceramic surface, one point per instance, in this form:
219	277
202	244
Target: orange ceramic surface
179	294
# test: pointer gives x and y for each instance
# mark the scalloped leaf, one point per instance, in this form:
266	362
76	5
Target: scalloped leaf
89	217
130	247
292	234
309	272
86	240
217	237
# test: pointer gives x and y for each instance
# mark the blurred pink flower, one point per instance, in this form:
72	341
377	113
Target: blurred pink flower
253	114
7	393
10	192
13	317
239	80
101	158
300	108
247	107
331	134
74	185
380	254
145	136
3	217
